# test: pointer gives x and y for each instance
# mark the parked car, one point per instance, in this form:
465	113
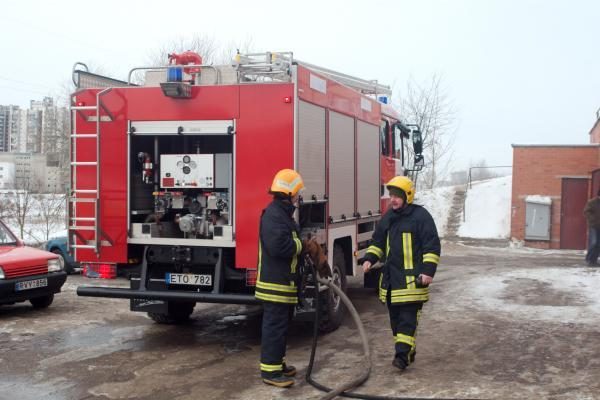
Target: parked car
27	273
58	246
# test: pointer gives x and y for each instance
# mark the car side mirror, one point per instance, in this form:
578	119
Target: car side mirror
20	243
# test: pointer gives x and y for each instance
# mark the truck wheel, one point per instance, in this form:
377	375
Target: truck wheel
42	302
178	314
332	308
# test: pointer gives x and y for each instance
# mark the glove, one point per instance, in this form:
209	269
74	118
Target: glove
317	255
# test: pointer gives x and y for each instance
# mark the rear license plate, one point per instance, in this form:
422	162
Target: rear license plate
33	284
188	279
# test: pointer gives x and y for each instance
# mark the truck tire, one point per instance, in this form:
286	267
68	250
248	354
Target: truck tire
331	307
178	314
42	302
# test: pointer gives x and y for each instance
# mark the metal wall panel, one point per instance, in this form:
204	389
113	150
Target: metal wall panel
367	168
537	217
311	149
341	166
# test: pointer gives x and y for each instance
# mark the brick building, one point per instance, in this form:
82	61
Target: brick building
551	184
552	179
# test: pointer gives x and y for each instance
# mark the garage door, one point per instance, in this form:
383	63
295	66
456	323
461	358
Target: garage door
572	222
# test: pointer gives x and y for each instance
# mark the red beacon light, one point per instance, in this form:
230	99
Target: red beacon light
186	58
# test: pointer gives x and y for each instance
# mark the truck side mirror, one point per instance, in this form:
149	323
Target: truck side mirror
419	161
417	141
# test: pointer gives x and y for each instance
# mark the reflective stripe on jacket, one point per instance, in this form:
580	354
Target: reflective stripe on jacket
278	251
408	241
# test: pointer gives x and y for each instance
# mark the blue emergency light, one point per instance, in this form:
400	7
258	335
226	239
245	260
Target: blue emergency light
174	74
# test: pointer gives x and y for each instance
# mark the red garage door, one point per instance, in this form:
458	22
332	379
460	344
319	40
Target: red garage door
572	222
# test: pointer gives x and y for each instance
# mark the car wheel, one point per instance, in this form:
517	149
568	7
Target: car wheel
42	302
68	268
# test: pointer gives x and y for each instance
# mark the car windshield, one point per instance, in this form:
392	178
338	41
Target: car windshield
6	237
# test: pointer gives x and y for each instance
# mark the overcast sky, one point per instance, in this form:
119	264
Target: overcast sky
522	72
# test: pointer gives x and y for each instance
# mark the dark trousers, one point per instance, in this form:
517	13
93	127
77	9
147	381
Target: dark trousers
404	319
593	246
276	318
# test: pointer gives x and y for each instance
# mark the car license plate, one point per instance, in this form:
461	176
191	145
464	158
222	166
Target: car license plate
188	279
33	284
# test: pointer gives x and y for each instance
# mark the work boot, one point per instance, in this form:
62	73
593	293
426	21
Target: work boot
288	370
278	380
399	363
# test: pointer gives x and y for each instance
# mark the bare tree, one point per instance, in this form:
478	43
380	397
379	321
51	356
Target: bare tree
51	214
244	46
428	106
206	46
19	203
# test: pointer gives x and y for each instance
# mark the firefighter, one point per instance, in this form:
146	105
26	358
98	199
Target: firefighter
279	248
407	239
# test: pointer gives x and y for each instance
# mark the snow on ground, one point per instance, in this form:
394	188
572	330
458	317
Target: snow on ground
437	202
37	234
45	216
581	283
487	209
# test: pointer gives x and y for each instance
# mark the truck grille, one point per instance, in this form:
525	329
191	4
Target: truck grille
27	271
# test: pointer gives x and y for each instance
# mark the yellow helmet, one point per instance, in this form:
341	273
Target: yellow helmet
405	184
288	182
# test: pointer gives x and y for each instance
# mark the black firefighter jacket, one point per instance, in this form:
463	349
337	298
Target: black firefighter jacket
408	241
279	247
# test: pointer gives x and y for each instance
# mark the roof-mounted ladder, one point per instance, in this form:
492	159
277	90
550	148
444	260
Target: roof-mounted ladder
276	66
364	86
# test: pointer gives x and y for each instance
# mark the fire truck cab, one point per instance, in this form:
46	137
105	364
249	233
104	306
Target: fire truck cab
173	174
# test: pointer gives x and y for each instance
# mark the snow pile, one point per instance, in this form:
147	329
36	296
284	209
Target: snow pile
536	198
487	209
438	202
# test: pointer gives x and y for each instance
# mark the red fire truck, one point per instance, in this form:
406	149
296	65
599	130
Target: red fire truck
173	174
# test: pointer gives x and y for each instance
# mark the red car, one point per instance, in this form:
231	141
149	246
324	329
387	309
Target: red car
27	273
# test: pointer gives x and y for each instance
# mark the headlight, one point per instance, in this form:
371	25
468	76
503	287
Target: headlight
54	265
1	273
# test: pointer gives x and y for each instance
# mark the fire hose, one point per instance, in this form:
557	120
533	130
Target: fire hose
343	388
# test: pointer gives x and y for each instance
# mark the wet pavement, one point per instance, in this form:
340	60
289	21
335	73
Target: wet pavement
502	323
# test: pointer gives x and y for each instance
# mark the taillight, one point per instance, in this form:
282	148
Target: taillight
250	277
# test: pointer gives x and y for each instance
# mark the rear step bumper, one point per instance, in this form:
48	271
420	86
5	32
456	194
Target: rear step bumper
119	293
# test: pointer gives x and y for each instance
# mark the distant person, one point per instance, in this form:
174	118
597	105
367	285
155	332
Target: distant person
592	214
407	239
